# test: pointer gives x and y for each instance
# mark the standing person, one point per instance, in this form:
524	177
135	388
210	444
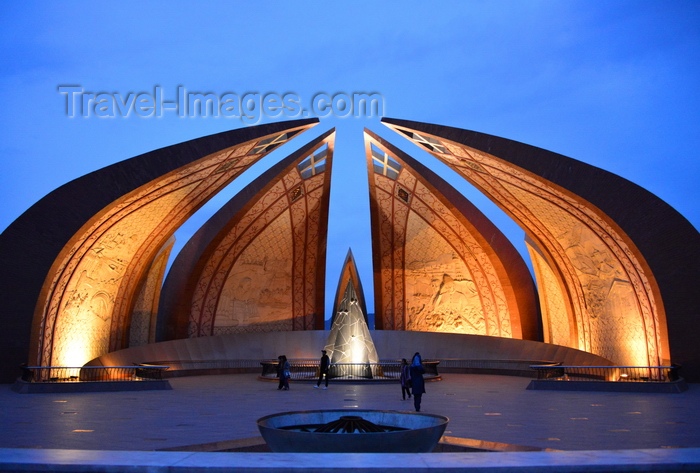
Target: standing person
323	369
405	379
286	373
416	369
280	373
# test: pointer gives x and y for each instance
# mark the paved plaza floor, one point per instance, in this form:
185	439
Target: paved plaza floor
206	409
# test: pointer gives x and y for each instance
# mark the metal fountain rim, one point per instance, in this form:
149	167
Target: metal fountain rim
443	419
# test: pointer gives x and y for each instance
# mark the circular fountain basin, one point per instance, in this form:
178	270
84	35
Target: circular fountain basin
352	431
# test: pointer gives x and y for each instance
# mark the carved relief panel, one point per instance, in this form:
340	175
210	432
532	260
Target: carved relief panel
263	274
440	292
257	293
92	289
597	273
143	318
433	274
554	303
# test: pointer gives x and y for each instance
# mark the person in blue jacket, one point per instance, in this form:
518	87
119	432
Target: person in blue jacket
417	383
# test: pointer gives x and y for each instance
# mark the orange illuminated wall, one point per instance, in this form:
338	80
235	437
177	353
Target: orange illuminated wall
89	294
616	267
439	264
258	265
597	292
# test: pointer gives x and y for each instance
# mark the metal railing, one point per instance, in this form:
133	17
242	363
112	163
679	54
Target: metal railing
204	365
638	374
492	366
382	371
71	374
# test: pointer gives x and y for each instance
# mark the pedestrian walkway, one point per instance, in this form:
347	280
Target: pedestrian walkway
582	431
208	409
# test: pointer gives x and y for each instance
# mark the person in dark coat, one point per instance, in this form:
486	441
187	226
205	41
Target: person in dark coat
405	379
286	372
283	373
280	372
417	383
323	367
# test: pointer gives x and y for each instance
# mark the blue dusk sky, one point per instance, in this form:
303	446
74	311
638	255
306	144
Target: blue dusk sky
614	84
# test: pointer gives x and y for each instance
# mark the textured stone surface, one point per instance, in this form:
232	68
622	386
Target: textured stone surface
71	265
392	345
142	329
265	273
439	264
258	264
623	261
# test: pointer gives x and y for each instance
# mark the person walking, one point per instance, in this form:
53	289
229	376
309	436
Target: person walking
417	383
280	373
405	379
286	373
323	367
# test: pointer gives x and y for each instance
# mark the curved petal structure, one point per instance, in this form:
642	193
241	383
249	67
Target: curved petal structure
616	266
258	265
71	265
439	264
